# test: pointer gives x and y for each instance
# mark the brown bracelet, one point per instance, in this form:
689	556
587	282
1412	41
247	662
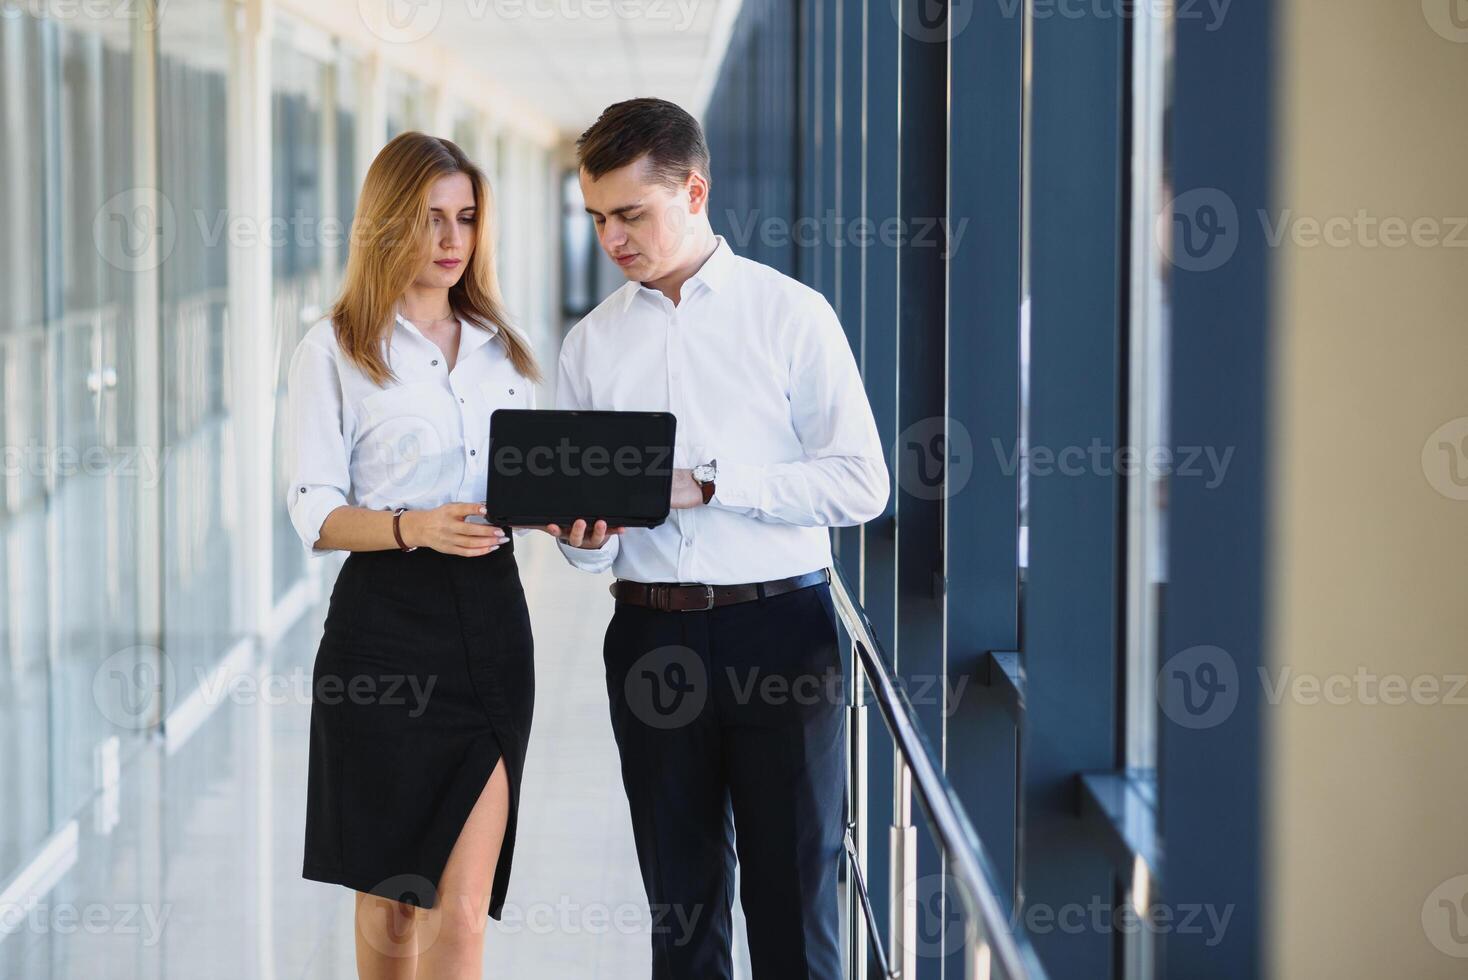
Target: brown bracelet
397	532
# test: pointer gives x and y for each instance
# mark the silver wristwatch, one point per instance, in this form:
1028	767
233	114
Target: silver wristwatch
704	474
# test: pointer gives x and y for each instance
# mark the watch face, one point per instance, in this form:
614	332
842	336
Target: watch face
703	473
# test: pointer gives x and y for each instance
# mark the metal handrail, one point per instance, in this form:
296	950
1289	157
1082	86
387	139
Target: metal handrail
990	941
870	917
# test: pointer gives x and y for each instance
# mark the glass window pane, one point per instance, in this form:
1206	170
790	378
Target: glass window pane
198	528
348	104
1147	387
95	486
466	130
24	582
299	288
1023	544
405	103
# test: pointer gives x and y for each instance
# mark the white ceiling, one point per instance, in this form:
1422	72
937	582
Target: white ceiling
572	58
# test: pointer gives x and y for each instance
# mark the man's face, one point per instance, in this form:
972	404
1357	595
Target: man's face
645	227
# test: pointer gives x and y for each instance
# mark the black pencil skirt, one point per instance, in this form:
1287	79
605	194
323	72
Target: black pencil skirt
423	681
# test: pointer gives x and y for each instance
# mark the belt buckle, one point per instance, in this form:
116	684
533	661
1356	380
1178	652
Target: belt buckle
709	598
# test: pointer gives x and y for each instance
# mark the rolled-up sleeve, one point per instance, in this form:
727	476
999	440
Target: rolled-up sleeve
316	444
842	478
570	395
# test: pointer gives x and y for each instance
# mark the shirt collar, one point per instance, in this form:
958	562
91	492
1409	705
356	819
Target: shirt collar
715	273
717	268
471	337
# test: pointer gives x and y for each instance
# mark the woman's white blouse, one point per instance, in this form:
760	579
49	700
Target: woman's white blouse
420	443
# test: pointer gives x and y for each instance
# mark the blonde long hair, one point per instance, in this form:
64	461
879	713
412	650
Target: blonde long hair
391	241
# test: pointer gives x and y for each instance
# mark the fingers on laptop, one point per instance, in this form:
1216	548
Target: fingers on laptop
579	535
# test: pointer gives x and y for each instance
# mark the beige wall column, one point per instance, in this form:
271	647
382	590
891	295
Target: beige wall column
1368	794
251	332
372	118
147	332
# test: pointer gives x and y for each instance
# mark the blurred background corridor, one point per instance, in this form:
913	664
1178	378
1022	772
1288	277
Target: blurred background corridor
179	183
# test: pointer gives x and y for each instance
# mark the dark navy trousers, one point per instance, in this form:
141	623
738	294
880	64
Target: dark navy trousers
730	727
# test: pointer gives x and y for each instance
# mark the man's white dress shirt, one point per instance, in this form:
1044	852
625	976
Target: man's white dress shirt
419	443
758	372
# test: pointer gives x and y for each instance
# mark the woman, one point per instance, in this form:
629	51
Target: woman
423	683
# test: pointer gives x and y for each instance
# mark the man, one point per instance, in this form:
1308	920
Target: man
726	693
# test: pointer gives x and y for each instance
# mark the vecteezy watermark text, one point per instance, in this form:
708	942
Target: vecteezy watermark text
143	463
1200	687
1099	459
572	460
834	230
142	919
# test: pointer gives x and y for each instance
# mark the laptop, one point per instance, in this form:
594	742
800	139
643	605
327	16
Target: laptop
552	467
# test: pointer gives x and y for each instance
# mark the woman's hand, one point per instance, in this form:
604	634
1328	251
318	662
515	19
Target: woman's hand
445	529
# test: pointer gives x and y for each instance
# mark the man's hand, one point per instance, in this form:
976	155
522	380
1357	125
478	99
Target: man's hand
686	491
578	535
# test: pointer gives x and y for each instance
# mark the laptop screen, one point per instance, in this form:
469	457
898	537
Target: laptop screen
555	466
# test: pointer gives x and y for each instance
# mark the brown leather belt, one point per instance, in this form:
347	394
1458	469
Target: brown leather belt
677	597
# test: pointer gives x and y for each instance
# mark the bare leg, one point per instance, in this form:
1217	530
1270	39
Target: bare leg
387	939
451	935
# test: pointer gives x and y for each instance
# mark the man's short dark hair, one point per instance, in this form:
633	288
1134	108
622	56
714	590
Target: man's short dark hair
671	139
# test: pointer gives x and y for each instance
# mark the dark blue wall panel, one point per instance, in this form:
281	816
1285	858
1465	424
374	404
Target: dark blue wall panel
921	459
1072	597
894	129
983	240
1210	775
752	127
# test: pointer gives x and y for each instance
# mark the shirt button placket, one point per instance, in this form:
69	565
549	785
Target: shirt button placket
674	348
466	431
675	405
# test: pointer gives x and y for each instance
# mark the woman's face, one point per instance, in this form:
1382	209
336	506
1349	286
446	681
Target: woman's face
452	221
